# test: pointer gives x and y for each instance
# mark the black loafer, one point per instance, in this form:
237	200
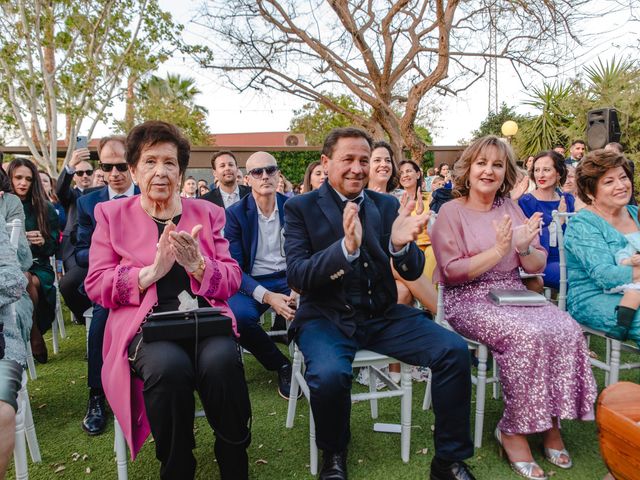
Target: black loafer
443	470
334	466
95	421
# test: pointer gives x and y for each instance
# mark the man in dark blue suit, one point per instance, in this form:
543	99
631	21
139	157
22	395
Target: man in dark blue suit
254	230
119	184
339	243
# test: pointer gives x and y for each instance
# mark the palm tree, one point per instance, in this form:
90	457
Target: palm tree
173	89
544	130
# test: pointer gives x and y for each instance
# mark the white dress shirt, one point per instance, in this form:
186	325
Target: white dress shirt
270	250
230	198
128	193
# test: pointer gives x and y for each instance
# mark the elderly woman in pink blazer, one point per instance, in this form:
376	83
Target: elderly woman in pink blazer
145	251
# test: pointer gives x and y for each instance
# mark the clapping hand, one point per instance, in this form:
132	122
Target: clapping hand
352	228
185	248
165	258
528	231
407	227
503	235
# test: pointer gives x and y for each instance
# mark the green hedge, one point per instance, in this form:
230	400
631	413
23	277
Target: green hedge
294	164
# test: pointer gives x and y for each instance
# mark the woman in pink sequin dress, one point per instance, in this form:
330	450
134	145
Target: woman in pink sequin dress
480	239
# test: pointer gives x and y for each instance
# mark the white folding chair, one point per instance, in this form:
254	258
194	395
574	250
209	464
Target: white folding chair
120	447
25	429
611	365
57	328
374	362
480	380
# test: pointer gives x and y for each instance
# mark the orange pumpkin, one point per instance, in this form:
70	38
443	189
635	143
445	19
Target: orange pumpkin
618	418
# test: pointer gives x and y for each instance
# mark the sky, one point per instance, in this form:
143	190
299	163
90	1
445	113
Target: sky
230	111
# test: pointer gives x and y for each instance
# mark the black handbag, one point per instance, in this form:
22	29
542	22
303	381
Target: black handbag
186	325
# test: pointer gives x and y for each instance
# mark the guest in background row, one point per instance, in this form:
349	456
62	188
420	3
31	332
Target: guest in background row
313	177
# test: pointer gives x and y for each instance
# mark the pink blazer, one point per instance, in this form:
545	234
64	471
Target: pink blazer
125	241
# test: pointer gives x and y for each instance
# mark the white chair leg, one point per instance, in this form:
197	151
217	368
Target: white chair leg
313	447
405	412
426	403
20	448
30	429
497	389
55	333
60	319
31	365
121	451
481	388
373	380
296	368
614	362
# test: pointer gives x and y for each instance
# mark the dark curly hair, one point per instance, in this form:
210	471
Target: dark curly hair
151	133
558	164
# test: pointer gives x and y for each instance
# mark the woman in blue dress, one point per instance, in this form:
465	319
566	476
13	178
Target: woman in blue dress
549	172
593	238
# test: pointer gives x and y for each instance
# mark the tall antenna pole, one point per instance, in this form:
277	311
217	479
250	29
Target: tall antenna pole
493	61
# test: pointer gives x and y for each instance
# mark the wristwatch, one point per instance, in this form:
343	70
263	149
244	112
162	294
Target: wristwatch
525	253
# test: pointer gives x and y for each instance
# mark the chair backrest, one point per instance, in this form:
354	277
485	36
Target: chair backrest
559	218
14	228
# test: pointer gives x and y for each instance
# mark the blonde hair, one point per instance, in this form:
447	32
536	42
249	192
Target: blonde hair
462	166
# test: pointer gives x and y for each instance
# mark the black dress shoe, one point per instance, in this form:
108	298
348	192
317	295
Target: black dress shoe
443	470
95	421
334	466
284	381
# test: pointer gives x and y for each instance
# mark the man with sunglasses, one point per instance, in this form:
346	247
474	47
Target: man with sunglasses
254	230
111	151
80	172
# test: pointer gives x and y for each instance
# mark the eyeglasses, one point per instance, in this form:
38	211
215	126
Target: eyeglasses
258	172
121	167
82	173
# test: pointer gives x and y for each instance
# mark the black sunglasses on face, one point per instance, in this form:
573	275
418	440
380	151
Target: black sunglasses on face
82	173
257	172
121	167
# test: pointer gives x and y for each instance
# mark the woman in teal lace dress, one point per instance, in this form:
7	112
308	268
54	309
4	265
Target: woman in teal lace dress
592	239
16	330
42	230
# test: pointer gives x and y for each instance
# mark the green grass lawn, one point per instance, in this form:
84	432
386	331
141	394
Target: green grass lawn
59	395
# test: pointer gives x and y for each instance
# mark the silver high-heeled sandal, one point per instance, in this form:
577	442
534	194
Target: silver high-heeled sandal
553	456
524	469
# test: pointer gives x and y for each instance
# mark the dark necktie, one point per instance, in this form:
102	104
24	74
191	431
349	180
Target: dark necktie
120	195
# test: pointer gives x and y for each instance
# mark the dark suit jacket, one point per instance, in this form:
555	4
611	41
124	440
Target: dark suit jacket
316	264
241	230
86	205
216	197
68	197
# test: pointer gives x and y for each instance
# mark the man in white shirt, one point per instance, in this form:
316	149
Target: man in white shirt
254	229
225	170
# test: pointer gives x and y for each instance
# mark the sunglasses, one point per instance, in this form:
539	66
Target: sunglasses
121	167
82	173
258	172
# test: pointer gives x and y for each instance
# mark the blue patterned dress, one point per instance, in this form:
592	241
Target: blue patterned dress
529	205
591	244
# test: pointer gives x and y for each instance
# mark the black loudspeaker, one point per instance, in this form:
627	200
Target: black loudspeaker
602	127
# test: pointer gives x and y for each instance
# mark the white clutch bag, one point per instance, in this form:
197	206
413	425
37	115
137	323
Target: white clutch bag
520	298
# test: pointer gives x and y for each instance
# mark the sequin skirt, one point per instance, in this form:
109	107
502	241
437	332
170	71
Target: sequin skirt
541	353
